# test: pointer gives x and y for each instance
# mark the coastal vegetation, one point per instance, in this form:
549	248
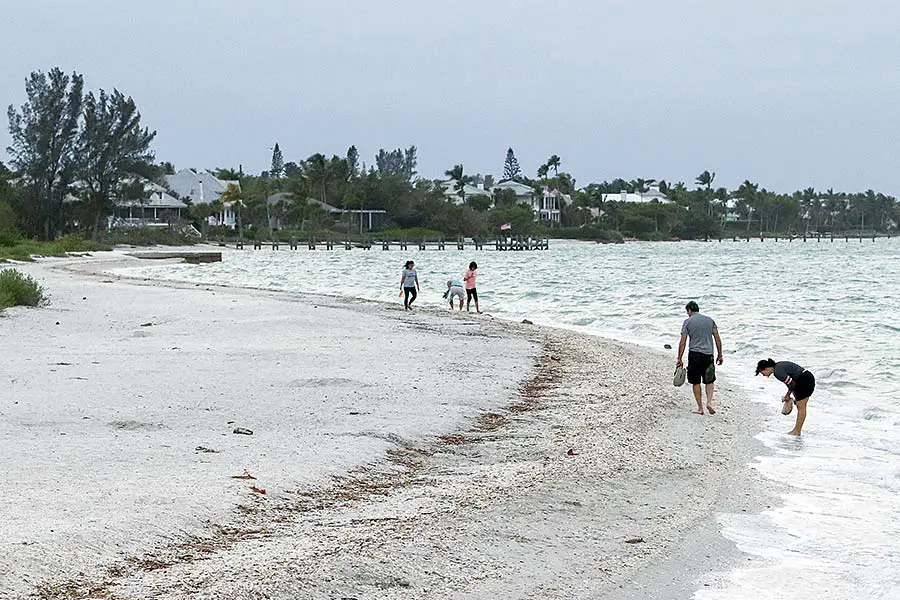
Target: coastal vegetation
19	289
13	246
75	154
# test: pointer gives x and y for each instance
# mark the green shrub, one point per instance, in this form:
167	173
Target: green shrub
9	237
147	236
24	249
18	289
591	232
7	218
73	243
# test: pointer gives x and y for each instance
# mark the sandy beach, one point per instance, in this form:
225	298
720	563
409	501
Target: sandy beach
403	455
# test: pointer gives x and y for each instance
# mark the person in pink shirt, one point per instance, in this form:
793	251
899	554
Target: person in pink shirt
471	291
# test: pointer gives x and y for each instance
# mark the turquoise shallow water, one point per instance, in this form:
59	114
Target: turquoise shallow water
832	307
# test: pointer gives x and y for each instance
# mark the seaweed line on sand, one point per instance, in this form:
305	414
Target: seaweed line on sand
404	466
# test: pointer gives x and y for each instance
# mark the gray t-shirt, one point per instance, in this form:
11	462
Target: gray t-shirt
699	328
409	278
787	373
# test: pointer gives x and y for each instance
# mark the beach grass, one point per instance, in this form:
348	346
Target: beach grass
19	289
20	249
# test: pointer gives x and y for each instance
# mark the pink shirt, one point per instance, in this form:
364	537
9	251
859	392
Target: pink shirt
470	279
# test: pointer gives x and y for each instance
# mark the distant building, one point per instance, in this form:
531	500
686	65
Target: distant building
651	196
524	193
469	190
548	206
545	206
202	187
732	214
360	220
158	209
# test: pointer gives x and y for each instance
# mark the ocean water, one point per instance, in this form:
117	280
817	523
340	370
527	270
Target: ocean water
833	307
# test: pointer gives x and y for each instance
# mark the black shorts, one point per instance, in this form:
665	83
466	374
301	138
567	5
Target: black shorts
472	294
701	368
806	385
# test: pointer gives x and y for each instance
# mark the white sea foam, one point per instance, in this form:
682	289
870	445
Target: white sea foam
829	306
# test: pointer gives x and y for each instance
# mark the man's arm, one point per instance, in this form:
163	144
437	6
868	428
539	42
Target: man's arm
681	346
720	358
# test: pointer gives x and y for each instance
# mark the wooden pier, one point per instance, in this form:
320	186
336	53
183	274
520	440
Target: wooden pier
830	237
514	244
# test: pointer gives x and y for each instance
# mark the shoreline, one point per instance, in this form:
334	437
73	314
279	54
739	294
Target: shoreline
528	506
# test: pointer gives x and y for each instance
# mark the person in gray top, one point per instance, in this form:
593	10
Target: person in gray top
800	384
701	331
409	283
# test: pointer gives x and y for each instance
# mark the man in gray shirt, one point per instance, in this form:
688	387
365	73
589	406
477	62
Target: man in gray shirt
701	330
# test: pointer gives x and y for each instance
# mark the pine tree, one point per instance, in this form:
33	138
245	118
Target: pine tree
277	169
353	162
44	132
511	170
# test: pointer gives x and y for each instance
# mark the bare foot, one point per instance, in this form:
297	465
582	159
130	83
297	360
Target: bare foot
787	408
711	410
794	433
697	412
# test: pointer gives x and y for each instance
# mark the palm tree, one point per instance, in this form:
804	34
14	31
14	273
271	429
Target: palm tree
542	171
810	205
553	163
706	179
748	193
458	175
232	195
202	213
641	185
831	205
316	169
228	174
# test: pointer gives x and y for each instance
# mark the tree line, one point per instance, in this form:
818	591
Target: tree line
74	154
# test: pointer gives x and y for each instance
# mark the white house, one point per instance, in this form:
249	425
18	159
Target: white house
524	193
652	195
202	187
548	206
469	190
159	208
731	214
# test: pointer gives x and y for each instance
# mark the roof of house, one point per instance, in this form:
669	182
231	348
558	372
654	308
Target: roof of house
164	200
565	198
155	199
200	186
519	188
469	190
635	198
289	197
650	196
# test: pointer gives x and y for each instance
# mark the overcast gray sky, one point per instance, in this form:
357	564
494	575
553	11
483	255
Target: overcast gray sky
789	93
